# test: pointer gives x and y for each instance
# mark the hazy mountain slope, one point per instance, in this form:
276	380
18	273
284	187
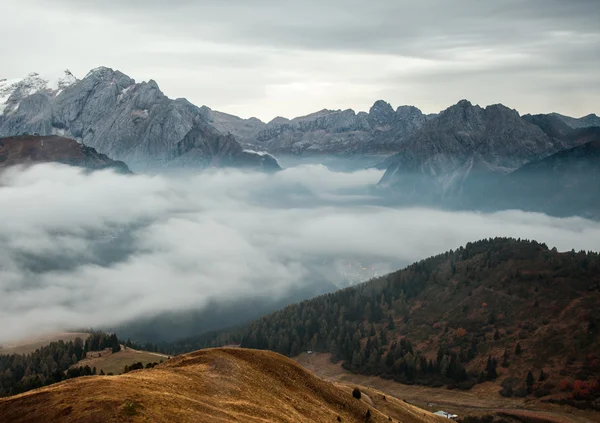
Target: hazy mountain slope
343	132
26	150
202	146
339	132
187	327
109	111
552	125
583	122
245	130
565	183
222	385
430	321
464	145
555	127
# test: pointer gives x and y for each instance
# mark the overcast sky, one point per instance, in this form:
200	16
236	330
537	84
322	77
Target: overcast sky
280	57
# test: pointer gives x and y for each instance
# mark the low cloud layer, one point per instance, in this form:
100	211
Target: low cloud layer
88	250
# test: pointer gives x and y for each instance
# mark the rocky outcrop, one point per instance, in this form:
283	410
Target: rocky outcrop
109	111
28	150
342	132
203	147
464	146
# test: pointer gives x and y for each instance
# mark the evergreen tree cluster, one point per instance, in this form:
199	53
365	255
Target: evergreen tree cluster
138	366
99	341
51	363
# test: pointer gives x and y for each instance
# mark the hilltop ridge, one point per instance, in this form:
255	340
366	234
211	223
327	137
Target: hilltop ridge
216	385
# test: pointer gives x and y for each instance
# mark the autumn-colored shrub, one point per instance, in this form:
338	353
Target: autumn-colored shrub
460	332
565	385
580	390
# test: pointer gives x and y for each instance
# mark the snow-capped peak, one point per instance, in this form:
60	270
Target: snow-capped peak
100	71
12	91
67	79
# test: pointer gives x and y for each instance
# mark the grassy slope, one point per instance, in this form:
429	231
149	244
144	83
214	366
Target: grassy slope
114	363
219	385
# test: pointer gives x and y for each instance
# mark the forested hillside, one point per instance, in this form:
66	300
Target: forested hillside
495	307
51	363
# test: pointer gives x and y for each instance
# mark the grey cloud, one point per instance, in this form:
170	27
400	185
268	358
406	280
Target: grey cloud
388	26
102	249
268	58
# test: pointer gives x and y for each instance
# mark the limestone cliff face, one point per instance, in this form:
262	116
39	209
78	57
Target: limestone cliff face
337	132
203	147
465	141
109	111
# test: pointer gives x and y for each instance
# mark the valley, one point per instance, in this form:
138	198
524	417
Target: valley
482	400
498	312
300	211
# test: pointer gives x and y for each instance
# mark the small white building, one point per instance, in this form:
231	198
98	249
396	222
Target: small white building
446	415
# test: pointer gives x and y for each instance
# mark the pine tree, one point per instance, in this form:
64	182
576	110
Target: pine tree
518	349
505	362
543	376
391	325
490	368
529	382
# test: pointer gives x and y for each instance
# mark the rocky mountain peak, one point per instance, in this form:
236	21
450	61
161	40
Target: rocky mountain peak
129	121
461	113
410	114
382	112
101	72
278	120
466	140
13	91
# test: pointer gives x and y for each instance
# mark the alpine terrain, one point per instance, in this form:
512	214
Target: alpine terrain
128	121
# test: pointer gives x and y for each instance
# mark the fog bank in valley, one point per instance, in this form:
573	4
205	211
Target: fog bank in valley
99	249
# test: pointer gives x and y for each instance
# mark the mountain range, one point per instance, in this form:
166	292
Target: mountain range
128	121
463	143
453	159
472	157
345	133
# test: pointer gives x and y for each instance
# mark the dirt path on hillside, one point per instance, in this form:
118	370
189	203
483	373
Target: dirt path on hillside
144	352
482	399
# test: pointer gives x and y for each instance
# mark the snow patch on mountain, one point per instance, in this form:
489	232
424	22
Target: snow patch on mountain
12	91
260	153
